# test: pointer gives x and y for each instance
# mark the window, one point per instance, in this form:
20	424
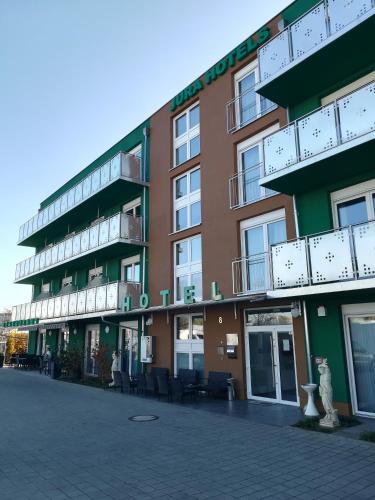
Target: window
187	200
249	105
137	151
354	205
46	287
189	346
186	135
65	282
188	267
63	340
131	270
96	272
257	234
251	169
133	207
348	88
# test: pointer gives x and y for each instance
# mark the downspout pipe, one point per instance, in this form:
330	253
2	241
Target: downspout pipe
304	308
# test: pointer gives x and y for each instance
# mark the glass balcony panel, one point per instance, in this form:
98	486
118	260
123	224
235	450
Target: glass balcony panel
40	219
27	311
48	259
78	193
44	312
51	212
116	167
357	116
81	302
51	308
317	132
37	262
103	232
131	166
95	181
42	260
90	299
35	223
27	267
76	244
22	268
38	309
104	174
85	238
71	198
55	254
309	31
86	190
94	236
101	298
21	232
274	55
33	310
330	257
45	216
112	290
65	305
57	207
18	312
68	248
61	251
57	307
23	311
114	227
280	150
343	13
18	266
289	264
73	304
131	227
32	262
364	241
64	203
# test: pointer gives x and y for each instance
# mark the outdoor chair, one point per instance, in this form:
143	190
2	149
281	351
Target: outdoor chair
179	391
217	383
128	385
164	388
187	376
150	384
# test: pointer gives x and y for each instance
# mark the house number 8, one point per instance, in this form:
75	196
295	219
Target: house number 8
220	319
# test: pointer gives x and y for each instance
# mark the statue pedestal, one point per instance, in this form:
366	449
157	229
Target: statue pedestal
330	421
310	409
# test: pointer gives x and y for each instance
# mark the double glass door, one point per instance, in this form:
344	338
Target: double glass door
271	374
128	347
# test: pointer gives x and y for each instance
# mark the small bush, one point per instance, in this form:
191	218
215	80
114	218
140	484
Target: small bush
367	436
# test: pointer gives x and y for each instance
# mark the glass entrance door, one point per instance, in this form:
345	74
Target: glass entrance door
360	341
128	347
270	364
91	349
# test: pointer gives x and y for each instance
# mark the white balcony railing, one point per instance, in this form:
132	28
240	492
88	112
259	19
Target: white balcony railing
119	227
246	108
345	254
323	22
121	166
107	297
350	117
244	187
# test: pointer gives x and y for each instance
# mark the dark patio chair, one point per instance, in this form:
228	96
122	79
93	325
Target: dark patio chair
187	376
128	385
150	384
217	383
164	388
179	391
141	384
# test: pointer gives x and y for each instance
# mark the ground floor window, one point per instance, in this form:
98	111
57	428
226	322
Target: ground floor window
41	343
91	348
63	339
189	345
128	347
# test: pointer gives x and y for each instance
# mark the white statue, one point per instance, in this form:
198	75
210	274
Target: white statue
115	366
325	391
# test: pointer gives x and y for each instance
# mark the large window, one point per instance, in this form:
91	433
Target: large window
187	200
354	205
257	234
189	346
249	104
131	270
188	267
186	128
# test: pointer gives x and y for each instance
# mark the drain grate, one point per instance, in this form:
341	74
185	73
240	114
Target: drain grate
143	418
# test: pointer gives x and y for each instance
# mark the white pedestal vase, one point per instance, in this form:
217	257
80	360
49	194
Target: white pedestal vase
310	409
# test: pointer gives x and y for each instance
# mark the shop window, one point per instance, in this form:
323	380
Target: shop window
188	267
187	200
189	345
186	135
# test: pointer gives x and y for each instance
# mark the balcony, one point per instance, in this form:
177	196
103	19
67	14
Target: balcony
94	301
245	109
244	187
106	238
329	43
106	184
334	261
332	143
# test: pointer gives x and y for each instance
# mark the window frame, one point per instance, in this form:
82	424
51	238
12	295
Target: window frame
130	261
190	346
188	200
131	206
187	269
95	272
186	137
361	190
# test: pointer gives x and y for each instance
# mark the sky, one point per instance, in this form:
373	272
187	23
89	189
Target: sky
78	75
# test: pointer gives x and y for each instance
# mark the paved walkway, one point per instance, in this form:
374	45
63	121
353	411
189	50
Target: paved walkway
61	441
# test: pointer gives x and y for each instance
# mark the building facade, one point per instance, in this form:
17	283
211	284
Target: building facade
234	226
